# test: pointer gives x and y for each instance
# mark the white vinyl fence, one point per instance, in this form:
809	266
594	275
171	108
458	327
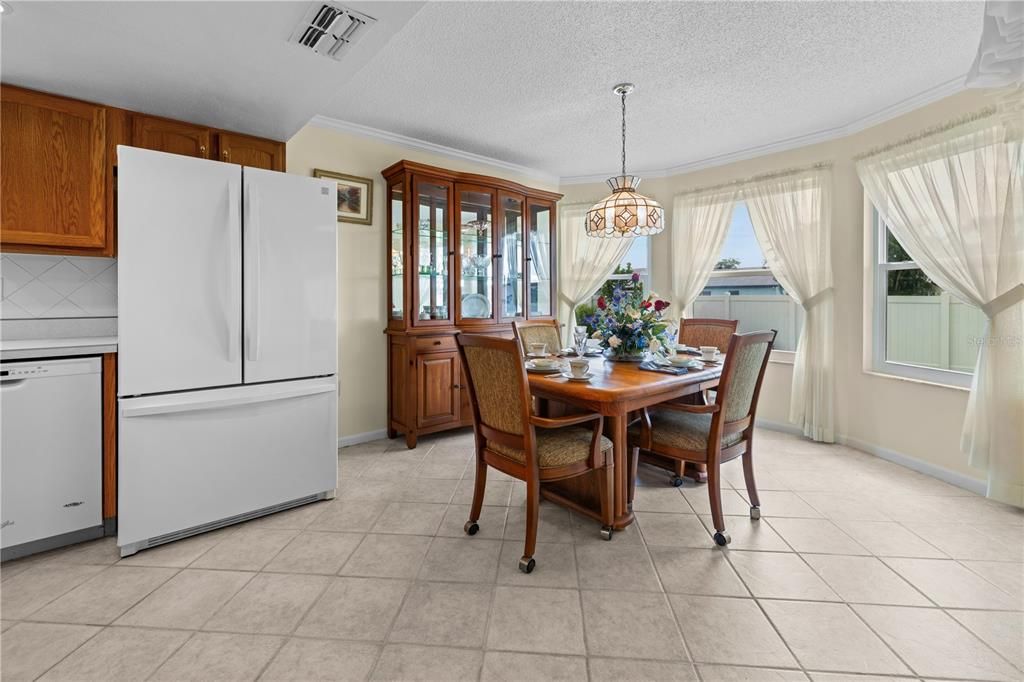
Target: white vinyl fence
756	313
930	331
933	331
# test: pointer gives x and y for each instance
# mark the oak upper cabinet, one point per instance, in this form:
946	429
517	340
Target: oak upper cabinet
53	167
254	152
173	137
468	254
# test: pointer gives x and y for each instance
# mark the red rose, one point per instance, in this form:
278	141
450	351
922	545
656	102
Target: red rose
600	302
647	304
660	305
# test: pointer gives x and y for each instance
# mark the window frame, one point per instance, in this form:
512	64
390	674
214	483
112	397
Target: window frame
876	313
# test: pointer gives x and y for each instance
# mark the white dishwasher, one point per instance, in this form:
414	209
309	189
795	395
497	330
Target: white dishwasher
50	454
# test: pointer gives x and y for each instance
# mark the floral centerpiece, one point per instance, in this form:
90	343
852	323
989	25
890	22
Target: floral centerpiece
628	323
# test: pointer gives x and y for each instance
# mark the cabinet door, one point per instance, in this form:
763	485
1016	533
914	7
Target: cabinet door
254	152
52	171
540	259
173	137
477	254
433	253
512	260
438	397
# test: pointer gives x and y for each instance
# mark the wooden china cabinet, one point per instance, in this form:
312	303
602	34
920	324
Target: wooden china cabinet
469	254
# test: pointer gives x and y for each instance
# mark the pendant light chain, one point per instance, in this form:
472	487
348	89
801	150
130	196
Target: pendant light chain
623	132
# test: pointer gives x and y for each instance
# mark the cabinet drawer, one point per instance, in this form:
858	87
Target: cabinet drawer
435	343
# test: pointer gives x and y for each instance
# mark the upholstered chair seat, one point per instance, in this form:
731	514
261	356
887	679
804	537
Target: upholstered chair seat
558	447
682	430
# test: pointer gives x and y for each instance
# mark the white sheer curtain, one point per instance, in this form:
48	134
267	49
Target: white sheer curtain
791	215
954	201
700	222
584	263
1000	58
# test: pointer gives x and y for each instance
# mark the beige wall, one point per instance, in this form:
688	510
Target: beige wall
878	413
362	293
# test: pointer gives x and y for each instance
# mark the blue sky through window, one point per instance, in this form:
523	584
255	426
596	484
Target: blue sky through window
740	242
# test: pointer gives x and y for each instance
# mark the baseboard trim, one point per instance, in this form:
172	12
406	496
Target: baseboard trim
357	438
974	485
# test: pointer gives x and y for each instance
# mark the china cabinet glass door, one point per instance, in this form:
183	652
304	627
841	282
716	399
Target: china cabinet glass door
476	253
540	261
396	223
432	252
511	262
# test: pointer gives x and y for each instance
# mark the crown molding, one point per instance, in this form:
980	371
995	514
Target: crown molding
950	87
422	145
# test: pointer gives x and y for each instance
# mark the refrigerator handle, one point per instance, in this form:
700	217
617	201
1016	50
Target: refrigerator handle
234	267
252	226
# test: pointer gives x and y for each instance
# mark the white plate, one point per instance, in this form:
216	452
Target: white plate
530	367
537	355
476	305
570	377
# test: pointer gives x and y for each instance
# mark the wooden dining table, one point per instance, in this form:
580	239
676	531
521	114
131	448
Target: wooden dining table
615	390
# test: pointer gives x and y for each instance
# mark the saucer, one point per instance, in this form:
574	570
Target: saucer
586	377
537	355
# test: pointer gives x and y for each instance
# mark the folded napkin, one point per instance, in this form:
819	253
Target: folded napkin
665	369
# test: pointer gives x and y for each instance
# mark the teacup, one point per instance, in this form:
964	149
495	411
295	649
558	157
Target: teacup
579	367
544	363
678	360
538	348
708	352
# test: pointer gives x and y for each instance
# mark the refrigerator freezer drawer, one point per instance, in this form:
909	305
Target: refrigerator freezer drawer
193	461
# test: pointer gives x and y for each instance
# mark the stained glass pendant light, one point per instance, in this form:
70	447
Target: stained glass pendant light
625	212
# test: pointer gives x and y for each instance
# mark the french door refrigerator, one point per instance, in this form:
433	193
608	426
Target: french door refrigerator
227	348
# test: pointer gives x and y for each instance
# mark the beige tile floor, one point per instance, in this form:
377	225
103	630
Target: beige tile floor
858	570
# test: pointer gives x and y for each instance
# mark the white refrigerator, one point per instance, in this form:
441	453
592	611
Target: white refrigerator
227	344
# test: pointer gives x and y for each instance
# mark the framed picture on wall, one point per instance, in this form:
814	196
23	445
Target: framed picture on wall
355	196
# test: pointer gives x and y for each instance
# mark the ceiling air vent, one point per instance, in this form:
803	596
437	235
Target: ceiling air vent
330	29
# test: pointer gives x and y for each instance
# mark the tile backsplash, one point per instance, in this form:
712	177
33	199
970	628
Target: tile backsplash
37	287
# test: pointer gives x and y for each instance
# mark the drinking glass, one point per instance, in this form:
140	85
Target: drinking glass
579	335
671	334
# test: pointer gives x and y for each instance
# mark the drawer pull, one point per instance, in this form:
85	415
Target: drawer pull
437	343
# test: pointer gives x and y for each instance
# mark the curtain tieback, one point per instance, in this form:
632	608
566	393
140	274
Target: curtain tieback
817	298
1008	298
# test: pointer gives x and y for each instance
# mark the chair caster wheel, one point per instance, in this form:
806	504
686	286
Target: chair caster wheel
606	533
722	538
755	513
526	564
471	527
677	481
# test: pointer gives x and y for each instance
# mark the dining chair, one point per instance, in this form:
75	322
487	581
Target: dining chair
715	433
515	441
538	331
696	332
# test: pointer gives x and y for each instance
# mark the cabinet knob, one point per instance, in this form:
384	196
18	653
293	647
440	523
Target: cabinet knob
226	155
451	253
202	150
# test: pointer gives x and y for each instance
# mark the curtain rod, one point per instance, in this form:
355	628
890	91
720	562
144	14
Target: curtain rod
979	115
770	175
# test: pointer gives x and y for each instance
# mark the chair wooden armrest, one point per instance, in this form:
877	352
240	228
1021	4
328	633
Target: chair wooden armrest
568	420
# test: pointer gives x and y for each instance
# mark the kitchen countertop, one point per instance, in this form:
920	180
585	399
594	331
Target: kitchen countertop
24	349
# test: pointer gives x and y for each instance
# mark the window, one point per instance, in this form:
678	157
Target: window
919	331
742	288
636	259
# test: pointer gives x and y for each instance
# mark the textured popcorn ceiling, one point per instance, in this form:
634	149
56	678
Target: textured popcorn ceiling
530	83
523	82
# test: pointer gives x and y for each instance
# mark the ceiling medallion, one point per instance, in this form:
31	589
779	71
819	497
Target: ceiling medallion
625	212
